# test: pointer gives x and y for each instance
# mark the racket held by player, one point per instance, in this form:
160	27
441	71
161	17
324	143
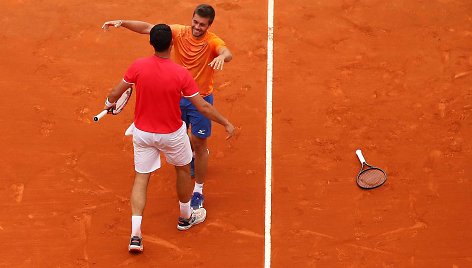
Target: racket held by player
100	115
369	177
119	106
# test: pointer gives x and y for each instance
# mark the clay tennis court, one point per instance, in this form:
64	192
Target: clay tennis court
393	78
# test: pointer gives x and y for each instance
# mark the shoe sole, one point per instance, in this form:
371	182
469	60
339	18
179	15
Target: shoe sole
135	249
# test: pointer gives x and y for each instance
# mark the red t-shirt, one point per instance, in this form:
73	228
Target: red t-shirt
159	83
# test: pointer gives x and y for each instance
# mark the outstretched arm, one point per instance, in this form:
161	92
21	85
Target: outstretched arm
211	113
133	25
224	55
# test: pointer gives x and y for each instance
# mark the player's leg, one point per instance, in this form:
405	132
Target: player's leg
201	131
188	216
138	202
146	160
138	198
186	108
178	152
200	147
184	186
139	193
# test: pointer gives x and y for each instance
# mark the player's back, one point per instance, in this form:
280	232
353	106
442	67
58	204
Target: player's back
159	83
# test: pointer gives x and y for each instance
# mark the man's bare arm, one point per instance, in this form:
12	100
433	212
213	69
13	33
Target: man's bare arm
133	25
116	93
211	113
224	55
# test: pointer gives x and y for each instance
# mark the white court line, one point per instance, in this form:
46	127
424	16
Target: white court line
268	179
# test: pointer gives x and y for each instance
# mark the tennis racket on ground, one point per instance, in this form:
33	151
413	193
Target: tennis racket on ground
120	104
371	177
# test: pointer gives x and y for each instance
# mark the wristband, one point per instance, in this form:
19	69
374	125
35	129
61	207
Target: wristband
108	103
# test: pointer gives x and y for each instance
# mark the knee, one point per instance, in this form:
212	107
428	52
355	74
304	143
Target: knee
199	145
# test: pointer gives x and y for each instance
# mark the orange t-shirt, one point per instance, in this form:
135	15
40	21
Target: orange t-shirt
195	54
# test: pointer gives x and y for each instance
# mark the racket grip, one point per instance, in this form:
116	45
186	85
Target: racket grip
360	156
100	115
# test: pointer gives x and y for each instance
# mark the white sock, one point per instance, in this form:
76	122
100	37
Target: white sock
185	210
136	225
198	188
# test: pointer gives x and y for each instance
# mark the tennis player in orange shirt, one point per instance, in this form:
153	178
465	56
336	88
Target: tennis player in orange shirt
201	52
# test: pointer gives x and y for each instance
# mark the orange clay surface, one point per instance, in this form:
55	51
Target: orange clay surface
393	78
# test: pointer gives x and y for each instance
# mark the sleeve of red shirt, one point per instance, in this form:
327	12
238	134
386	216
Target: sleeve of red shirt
189	87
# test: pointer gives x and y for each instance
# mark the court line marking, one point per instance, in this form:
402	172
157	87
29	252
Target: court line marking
268	178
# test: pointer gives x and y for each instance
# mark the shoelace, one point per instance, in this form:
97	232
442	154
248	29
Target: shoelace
135	241
183	221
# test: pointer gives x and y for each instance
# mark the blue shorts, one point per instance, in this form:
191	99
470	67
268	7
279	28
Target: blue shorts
201	126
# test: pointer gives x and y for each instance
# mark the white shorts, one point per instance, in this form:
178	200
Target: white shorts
148	146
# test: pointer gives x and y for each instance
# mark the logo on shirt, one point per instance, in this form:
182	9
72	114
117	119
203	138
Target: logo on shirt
201	132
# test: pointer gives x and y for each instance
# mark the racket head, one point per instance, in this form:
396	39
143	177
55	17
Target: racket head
371	178
122	101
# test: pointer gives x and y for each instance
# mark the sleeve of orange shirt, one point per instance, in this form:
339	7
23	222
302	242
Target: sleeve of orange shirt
217	43
176	28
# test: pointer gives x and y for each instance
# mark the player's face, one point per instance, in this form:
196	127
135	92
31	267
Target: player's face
199	25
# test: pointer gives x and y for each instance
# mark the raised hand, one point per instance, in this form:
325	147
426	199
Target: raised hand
218	62
114	23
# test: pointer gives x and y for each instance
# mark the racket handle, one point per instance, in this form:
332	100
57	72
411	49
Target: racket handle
100	115
360	156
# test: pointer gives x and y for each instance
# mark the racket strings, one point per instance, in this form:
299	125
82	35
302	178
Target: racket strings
122	101
371	178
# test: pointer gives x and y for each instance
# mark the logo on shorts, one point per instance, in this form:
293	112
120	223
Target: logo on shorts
201	132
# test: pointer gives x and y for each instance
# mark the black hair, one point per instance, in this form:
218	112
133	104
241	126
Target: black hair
160	37
205	11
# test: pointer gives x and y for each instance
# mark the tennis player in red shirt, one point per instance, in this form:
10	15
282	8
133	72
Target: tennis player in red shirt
158	127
